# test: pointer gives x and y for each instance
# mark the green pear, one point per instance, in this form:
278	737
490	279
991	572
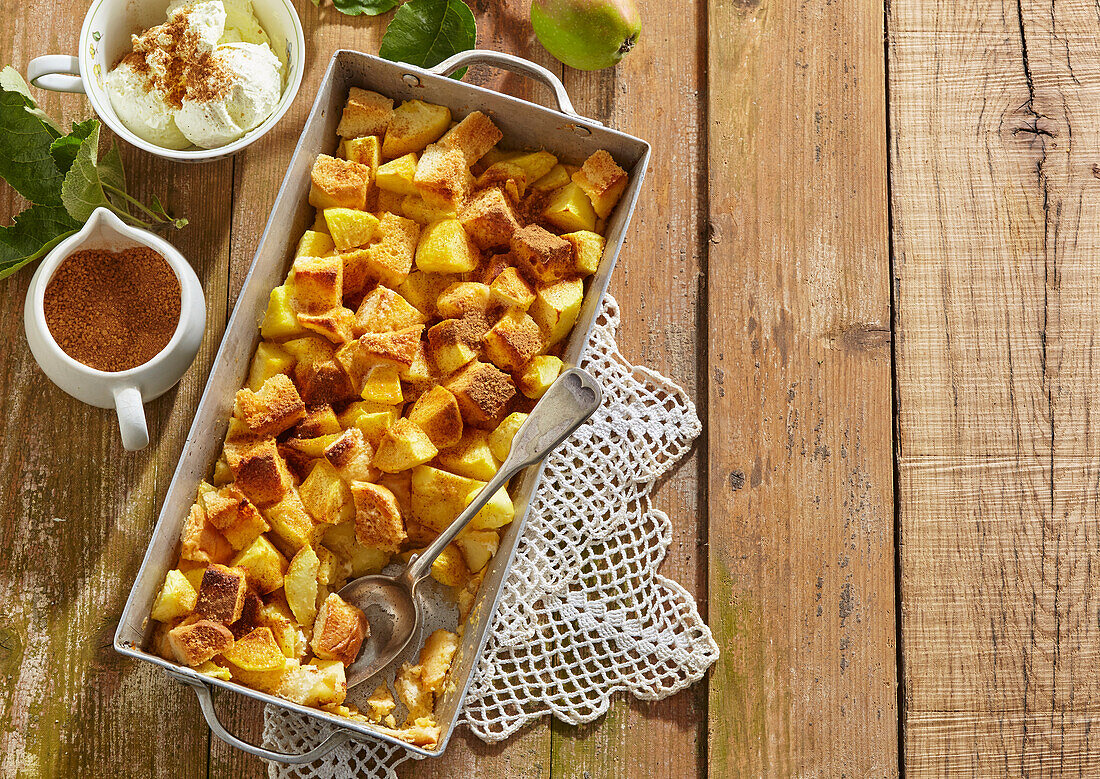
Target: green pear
586	34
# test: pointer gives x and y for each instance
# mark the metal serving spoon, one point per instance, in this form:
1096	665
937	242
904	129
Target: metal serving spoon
390	602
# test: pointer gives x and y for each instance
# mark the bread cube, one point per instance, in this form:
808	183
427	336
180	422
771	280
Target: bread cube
489	219
367	151
261	474
378	521
318	683
276	615
300	585
602	180
471	456
538	374
323	381
383	385
351	456
316	284
365	113
314	243
436	413
290	523
318	421
450	567
222	594
556	308
200	541
275	408
196	642
587	251
499	511
270	359
339	183
361	560
350	228
444	247
542	255
388	261
423	289
474	136
436	657
513	340
483	393
370	418
500	440
454	342
439	496
441	177
535	164
177	598
413	126
256	651
404	445
300	453
385	200
556	178
339	630
423	213
280	320
383	310
264	565
478	547
397	175
570	210
463	298
510	178
326	496
236	519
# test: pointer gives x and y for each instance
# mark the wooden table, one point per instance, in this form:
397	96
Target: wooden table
865	249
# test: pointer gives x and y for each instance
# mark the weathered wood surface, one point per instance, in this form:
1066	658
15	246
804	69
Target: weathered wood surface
995	119
801	551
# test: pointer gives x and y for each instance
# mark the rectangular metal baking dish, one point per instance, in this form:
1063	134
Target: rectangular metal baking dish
525	125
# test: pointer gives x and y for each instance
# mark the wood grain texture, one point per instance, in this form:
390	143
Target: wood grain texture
78	510
995	122
801	588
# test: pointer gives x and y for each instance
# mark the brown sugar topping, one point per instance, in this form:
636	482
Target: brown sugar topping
113	310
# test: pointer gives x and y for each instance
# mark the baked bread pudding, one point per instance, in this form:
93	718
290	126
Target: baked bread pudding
422	317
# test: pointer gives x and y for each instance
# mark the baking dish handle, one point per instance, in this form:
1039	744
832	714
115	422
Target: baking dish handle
515	64
206	703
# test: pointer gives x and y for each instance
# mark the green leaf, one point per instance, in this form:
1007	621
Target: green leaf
367	7
82	190
25	159
11	81
35	232
64	148
426	32
111	172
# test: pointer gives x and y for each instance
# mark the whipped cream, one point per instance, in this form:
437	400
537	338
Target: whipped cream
205	77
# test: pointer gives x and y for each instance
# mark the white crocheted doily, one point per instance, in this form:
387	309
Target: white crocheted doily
584	613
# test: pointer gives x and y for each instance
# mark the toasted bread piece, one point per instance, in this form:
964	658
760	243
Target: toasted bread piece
365	113
438	415
442	177
275	408
235	517
587	251
261	474
542	255
513	341
351	456
463	298
316	284
339	630
602	180
453	343
318	683
194	643
200	541
318	421
383	310
474	136
222	594
390	260
394	348
404	445
378	521
484	394
489	219
338	183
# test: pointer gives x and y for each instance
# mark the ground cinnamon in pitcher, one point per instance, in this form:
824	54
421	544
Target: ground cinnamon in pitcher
113	310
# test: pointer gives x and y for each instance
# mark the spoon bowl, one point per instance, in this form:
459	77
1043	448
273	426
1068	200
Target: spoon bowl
390	603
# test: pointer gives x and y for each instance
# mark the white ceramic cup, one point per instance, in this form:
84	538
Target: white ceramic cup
125	391
105	39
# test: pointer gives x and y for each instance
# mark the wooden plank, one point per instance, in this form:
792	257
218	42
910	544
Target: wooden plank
79	510
656	93
801	585
994	113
